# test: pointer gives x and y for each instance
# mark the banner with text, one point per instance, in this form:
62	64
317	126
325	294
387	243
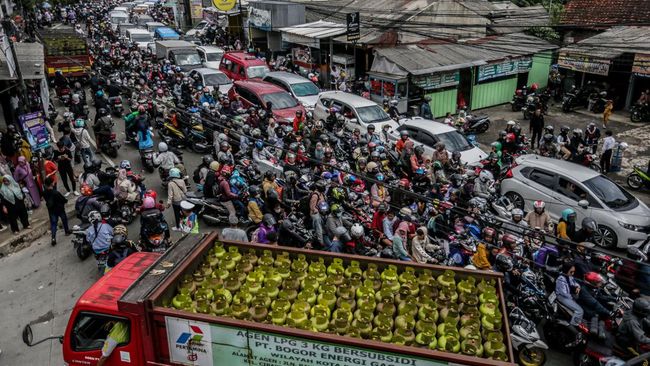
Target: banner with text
641	64
33	124
504	68
581	63
438	80
242	347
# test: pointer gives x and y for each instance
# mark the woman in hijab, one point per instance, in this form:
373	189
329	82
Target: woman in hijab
23	175
13	201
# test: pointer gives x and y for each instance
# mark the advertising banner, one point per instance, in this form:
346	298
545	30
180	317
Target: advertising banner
33	124
641	64
582	63
504	68
190	343
438	80
354	26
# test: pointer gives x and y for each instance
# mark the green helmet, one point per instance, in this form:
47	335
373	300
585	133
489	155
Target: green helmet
496	145
437	165
338	194
335	208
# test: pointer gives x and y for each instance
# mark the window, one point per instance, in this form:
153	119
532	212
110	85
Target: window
305	89
372	114
571	190
201	55
543	178
280	100
424	138
325	102
214	56
90	331
185	59
454	141
216	79
610	193
257	71
245	94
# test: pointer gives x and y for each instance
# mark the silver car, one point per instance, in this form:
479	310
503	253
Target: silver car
622	219
301	88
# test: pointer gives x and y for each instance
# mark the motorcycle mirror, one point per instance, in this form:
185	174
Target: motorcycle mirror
583	203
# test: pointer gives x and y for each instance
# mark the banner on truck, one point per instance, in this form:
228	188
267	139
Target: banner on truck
243	347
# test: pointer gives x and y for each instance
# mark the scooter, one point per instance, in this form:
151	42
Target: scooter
102	258
211	210
526	341
638	178
109	145
116	105
146	157
475	124
81	246
559	332
640	113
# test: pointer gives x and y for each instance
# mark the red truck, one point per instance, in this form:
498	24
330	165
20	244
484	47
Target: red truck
137	290
67	51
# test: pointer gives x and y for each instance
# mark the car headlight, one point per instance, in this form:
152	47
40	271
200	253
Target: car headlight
630	226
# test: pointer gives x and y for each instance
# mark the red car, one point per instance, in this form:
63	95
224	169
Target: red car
259	93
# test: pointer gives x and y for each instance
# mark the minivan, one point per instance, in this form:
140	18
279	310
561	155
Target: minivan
210	56
301	88
117	18
256	93
359	112
141	37
239	65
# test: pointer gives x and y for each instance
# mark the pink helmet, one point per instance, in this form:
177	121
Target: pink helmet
148	203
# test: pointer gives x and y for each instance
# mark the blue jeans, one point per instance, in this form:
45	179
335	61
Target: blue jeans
54	220
577	309
317	225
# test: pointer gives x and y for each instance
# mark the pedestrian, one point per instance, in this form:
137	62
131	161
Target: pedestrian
63	158
176	191
13	200
607	112
234	232
608	148
50	171
55	203
536	127
23	175
84	140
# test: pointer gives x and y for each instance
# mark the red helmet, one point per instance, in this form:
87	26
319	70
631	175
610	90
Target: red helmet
534	87
86	190
509	239
518	92
226	170
510	137
141	108
151	193
488	231
404	182
594	278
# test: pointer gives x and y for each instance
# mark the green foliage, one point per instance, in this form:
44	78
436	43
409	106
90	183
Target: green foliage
546	33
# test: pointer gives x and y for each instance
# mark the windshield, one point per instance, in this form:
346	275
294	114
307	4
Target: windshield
187	59
214	56
609	192
280	100
305	89
454	141
216	79
118	20
257	72
141	38
372	114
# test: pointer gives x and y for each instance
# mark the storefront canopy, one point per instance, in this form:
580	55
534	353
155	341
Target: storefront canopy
310	34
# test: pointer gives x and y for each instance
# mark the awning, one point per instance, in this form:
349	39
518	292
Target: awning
310	34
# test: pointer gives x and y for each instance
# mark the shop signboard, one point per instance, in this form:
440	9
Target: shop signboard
197	9
224	5
202	344
582	63
259	18
437	80
496	70
525	64
641	64
33	124
354	26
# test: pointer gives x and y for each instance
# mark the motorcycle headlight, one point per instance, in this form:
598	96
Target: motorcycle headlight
630	226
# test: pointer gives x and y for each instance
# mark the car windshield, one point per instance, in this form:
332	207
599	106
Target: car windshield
141	38
216	79
372	114
201	25
119	20
280	100
215	56
454	141
257	72
609	192
187	59
305	89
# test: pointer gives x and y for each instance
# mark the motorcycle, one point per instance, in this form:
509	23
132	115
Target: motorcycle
638	178
518	101
65	94
116	105
573	99
81	246
529	108
559	332
102	258
588	160
598	101
640	113
526	341
211	210
475	124
146	157
109	146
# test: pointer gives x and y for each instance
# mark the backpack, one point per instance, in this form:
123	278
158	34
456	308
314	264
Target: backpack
304	204
196	176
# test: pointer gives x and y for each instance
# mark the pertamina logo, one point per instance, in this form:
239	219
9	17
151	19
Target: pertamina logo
196	336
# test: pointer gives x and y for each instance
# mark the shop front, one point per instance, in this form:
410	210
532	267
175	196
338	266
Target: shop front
496	82
640	80
389	87
442	88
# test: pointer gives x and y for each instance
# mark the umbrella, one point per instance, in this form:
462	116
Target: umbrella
46	5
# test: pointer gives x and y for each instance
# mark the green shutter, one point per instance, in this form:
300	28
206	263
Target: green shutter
497	92
540	68
443	102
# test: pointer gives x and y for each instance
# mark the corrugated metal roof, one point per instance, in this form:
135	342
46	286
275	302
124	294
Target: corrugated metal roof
318	30
613	42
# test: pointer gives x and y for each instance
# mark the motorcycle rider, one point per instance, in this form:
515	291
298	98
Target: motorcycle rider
518	225
425	108
99	234
548	147
121	247
588	231
266	227
393	112
224	156
483	185
592	299
256	207
481	259
631	331
287	235
152	220
404	138
103	127
371	136
165	159
592	135
576	145
566	227
101	101
229	199
564	142
335	219
567	290
76	107
206	97
538	218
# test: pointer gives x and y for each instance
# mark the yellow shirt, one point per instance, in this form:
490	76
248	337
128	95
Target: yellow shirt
480	258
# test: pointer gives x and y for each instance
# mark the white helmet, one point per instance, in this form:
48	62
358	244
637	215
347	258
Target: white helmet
94	216
511	123
394	102
162	147
485	176
356	231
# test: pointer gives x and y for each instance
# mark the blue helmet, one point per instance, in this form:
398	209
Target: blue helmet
323	207
380	177
259	144
568	212
100	93
174	173
326	175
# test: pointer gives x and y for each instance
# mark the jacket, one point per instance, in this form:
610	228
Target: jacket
399	251
630	332
263	232
565	287
176	190
587	298
83	137
255	210
99	236
54	201
166	160
418	247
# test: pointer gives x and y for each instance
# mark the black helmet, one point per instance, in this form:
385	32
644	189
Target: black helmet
102	112
268	220
565	129
371	127
269	174
105	210
548	138
254	190
516	129
207	159
549	129
641	307
323	138
504	263
404	133
97	163
119	241
419	150
502	134
589	223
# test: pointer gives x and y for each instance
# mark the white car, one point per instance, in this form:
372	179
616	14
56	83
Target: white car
198	29
428	133
210	56
358	112
301	88
213	78
622	219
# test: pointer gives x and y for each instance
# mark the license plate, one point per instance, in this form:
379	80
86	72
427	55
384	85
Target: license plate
552	297
159	250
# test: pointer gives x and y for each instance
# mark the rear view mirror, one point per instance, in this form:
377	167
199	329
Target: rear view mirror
353	120
28	336
583	203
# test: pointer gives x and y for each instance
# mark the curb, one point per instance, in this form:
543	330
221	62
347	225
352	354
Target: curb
26	238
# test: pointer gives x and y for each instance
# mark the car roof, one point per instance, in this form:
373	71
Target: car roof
427	125
348	98
572	170
166	31
154	23
247	57
207	70
287	77
210	49
260	87
138	31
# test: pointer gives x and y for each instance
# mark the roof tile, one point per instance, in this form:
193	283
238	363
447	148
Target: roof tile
595	13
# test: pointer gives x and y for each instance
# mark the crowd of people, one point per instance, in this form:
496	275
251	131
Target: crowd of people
305	183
